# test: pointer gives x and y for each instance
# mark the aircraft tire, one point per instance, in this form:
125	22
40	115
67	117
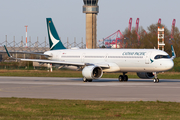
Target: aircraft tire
90	80
121	78
84	79
125	78
156	80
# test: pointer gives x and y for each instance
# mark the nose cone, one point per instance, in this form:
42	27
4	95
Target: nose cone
169	65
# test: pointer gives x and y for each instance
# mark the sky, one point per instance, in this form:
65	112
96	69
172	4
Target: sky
69	19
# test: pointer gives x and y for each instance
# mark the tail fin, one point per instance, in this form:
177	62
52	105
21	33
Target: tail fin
173	53
54	40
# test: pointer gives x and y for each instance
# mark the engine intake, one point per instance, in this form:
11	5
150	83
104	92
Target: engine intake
145	75
92	72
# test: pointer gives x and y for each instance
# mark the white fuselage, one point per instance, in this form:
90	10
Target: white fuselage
119	60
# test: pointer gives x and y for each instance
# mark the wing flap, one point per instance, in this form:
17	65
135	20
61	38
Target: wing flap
52	61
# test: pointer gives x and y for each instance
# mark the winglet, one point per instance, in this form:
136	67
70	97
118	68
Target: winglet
7	51
173	53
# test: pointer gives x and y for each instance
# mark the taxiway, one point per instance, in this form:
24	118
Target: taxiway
103	89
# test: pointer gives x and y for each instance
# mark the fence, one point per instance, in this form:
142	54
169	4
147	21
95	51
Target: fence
37	46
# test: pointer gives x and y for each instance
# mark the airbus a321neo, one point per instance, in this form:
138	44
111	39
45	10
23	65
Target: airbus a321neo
94	62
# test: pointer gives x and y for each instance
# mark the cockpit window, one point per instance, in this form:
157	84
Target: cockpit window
161	56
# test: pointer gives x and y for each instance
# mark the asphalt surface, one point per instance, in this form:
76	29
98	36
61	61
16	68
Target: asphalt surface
103	89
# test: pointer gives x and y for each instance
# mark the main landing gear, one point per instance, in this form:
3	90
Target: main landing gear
123	77
156	80
86	80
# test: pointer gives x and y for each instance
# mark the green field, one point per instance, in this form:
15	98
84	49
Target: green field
68	73
38	109
176	67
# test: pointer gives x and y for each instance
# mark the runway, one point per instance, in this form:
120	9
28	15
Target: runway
101	90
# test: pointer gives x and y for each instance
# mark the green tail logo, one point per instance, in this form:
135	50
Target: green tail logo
173	53
54	40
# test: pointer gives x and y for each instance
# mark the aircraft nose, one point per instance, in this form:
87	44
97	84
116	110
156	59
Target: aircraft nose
170	65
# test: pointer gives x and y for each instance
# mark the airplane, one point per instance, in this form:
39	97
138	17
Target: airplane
147	63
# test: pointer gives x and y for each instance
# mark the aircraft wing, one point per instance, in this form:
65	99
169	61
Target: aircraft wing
34	53
103	65
53	61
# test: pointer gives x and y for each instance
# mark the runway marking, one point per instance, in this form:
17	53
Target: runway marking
20	88
1	90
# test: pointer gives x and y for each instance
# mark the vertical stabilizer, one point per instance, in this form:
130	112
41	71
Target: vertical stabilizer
173	53
54	40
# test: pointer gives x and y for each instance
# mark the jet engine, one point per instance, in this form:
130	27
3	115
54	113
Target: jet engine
92	72
145	75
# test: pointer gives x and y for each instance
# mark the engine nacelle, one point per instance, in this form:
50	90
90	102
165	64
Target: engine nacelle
92	72
145	75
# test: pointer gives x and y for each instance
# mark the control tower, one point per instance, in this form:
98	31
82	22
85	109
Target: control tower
91	9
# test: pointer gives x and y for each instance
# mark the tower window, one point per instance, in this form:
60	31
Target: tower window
90	2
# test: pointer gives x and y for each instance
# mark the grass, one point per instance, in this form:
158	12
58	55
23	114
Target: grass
69	73
176	65
22	108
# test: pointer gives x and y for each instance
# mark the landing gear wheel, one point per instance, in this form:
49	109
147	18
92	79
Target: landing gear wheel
89	80
121	78
156	80
84	79
125	78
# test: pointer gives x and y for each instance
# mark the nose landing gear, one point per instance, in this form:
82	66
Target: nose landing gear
156	79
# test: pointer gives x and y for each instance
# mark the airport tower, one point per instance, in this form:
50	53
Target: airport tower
91	9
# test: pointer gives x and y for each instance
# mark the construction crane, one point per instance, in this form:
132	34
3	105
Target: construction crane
173	27
159	21
115	40
130	25
136	28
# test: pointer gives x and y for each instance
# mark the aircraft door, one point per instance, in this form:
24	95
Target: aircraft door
83	57
147	59
106	57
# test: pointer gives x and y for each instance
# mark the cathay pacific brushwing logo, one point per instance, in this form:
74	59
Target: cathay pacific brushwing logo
151	60
54	40
172	52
